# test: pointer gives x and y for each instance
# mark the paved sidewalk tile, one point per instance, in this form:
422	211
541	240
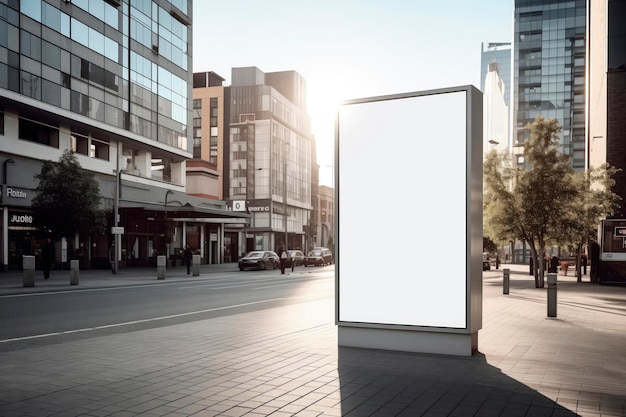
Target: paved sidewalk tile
285	362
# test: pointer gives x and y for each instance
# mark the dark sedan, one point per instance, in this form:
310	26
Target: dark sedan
319	256
259	259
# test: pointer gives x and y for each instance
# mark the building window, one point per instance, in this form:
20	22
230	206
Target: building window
80	144
197	137
99	149
161	169
39	133
213	111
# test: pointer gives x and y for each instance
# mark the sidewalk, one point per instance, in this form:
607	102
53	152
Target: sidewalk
11	282
285	362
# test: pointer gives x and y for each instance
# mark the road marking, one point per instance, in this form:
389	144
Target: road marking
109	326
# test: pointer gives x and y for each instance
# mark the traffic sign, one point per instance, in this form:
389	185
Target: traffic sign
117	230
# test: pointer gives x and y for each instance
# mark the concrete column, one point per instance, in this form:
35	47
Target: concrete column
28	270
552	295
195	265
74	272
161	266
506	281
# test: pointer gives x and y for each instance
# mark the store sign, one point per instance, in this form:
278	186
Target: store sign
20	219
17	196
239	205
259	206
16	193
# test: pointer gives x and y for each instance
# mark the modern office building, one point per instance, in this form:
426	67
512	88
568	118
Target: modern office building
549	68
110	80
271	157
496	86
500	53
495	112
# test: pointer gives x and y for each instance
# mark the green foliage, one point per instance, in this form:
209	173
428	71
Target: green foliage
545	202
489	245
67	200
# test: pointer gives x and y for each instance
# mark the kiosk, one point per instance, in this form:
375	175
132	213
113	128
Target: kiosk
421	289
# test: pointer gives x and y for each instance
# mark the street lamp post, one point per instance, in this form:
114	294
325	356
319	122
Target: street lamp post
166	223
116	214
285	148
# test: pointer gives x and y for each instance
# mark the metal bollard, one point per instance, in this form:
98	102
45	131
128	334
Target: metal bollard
195	265
552	295
28	270
74	272
506	281
161	264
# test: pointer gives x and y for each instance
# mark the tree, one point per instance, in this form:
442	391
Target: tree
596	201
529	204
68	199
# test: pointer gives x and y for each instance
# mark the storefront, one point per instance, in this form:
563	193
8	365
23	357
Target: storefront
19	235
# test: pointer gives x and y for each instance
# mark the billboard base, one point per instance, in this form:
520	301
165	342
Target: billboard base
440	343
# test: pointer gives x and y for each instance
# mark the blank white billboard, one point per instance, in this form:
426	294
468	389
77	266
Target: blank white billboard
403	209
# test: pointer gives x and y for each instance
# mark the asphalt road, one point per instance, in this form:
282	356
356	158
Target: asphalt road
54	317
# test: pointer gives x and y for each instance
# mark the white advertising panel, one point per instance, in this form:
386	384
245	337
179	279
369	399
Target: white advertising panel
404	188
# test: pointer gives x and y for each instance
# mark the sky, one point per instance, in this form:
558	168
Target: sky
347	49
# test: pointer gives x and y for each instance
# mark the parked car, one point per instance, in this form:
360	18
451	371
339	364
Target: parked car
259	259
319	256
486	262
297	257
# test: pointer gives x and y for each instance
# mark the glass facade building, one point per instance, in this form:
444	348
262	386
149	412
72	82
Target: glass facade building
112	81
124	64
270	156
549	62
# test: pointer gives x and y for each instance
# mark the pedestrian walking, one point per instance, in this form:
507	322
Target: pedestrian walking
187	256
554	264
284	258
584	262
47	256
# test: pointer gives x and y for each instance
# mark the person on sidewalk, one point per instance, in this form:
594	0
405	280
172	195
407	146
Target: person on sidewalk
284	258
47	256
187	256
554	264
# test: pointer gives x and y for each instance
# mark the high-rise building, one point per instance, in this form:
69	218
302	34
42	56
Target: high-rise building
110	80
495	85
549	66
500	53
271	156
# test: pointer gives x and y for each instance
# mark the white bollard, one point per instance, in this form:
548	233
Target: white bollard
74	272
195	265
506	281
552	295
161	265
28	270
